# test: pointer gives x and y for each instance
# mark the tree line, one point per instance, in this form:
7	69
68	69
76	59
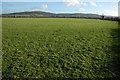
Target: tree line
54	16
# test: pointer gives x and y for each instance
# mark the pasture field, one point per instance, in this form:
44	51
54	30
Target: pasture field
60	47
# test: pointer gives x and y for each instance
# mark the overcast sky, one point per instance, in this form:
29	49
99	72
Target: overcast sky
65	6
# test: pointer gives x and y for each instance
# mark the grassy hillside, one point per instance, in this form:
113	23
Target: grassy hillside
31	13
54	47
48	14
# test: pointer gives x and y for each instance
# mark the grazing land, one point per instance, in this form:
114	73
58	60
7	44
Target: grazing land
60	47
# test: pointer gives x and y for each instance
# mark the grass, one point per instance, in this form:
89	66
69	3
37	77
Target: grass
60	47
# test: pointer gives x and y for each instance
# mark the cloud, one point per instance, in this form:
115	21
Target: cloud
93	4
77	3
111	12
39	7
33	9
108	12
82	4
71	2
104	12
44	7
81	9
115	7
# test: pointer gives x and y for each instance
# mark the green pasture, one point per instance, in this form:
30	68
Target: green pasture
60	48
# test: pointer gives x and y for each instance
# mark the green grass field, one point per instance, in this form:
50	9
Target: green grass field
60	47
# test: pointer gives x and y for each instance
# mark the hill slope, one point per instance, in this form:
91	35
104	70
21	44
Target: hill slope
48	14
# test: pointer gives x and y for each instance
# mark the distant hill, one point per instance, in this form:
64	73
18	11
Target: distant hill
48	14
30	13
80	15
